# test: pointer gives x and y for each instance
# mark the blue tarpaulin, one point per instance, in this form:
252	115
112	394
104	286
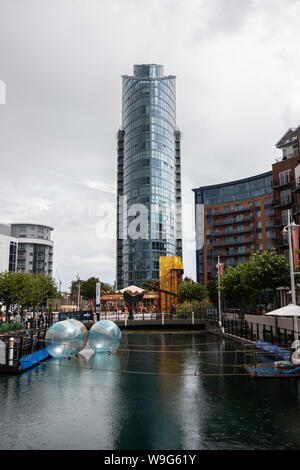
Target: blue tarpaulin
272	348
33	359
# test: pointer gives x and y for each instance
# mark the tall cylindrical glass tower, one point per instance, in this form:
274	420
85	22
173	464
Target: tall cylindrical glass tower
149	179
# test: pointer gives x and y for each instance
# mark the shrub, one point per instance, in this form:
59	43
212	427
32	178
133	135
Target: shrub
5	327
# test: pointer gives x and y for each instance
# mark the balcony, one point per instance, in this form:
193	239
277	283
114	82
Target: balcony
269	203
232	232
296	210
278	223
247	241
226	255
283	202
232	221
281	182
231	210
296	185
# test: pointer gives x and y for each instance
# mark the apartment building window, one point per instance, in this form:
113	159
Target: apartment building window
285	217
285	197
228	209
258	226
208	216
269	211
209	240
284	177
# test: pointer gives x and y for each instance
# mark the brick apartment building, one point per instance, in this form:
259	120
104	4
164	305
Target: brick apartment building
236	218
232	220
286	185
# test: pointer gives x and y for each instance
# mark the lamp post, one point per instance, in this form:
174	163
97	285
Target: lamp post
78	292
288	229
219	291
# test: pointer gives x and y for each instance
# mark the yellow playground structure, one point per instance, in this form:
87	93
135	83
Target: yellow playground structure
170	274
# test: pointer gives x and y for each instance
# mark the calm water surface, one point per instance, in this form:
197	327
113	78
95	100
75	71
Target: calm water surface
111	406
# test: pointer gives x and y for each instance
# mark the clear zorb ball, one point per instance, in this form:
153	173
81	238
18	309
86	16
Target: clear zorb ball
66	338
105	336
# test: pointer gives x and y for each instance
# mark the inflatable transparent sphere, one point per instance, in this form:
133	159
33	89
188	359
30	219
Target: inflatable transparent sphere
104	361
105	336
66	338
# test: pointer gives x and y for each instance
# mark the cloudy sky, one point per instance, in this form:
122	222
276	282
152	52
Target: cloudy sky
238	90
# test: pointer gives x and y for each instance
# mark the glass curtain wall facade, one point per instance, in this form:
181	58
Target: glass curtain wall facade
149	179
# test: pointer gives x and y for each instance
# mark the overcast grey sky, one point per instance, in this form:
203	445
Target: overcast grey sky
238	90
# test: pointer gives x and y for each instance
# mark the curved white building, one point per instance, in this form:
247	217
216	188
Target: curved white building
35	248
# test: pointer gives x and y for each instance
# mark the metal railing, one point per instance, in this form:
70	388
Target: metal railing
257	331
20	345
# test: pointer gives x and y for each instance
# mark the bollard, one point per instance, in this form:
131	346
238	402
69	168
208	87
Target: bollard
11	351
125	321
163	318
193	318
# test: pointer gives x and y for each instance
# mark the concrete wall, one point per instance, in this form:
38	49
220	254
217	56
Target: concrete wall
282	322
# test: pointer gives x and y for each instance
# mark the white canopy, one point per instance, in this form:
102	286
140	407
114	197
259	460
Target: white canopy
132	289
290	310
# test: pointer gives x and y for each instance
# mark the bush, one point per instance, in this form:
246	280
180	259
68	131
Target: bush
17	326
8	327
194	306
5	327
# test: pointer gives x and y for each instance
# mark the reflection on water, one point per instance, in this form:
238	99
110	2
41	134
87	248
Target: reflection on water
147	396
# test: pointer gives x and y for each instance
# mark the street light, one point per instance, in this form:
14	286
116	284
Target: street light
288	229
78	291
219	291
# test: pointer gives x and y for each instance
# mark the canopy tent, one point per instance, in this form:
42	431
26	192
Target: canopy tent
132	289
290	310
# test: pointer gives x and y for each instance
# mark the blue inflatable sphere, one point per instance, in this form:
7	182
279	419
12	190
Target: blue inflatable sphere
66	338
105	336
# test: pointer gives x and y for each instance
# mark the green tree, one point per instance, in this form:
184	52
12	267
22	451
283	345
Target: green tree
187	279
50	308
26	289
212	289
190	290
74	286
8	290
88	288
24	283
266	270
232	286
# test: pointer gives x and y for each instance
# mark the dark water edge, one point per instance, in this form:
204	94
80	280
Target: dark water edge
150	399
